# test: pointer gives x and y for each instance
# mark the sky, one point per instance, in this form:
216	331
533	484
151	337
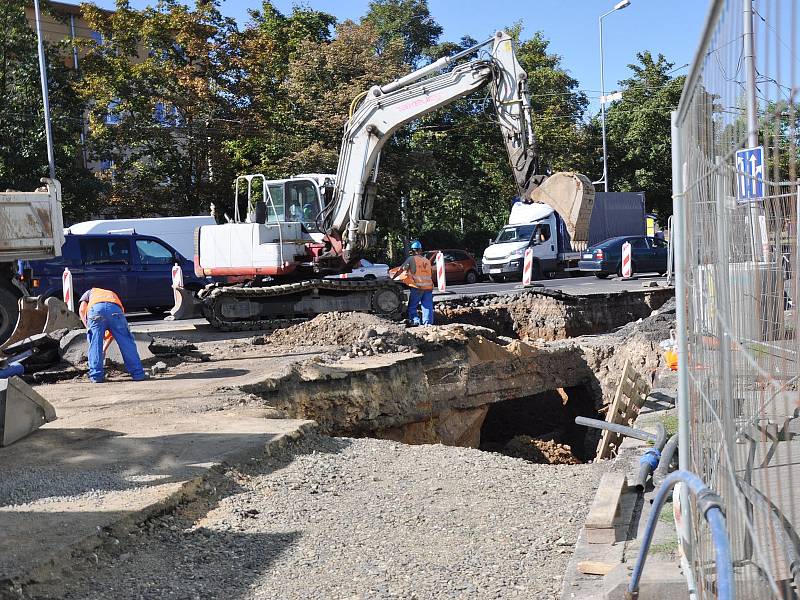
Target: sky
671	27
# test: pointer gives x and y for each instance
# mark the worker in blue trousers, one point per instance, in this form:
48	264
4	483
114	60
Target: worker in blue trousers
103	315
417	274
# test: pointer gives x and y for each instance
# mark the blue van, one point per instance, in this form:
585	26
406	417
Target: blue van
137	267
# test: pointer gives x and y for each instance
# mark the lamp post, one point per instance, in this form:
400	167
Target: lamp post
617	6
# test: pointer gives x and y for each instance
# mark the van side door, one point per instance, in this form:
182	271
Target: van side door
106	263
153	270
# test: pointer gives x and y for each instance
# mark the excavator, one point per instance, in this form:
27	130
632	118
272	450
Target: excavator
288	251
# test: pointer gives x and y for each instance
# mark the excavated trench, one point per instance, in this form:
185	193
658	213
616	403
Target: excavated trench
511	384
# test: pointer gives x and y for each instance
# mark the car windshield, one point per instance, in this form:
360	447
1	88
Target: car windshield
515	233
609	242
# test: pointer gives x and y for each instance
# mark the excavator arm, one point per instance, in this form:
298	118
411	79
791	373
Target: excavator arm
347	220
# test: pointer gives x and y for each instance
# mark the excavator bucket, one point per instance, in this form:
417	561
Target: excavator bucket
571	195
187	306
40	315
22	410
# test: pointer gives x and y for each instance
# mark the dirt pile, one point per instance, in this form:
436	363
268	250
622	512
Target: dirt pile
545	452
339	329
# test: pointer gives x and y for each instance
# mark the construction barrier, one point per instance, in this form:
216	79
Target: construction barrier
627	266
67	289
527	267
177	282
441	278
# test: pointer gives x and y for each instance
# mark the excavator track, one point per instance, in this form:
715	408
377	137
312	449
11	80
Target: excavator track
239	308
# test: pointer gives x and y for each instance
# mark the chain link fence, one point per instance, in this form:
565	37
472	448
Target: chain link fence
735	150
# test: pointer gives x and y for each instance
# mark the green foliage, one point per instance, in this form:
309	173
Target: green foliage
638	132
23	146
407	21
180	100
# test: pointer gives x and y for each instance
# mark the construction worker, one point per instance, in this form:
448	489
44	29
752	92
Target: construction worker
416	273
103	315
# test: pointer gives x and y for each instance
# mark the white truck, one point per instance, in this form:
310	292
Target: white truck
541	228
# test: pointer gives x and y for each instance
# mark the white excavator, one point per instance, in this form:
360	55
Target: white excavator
294	232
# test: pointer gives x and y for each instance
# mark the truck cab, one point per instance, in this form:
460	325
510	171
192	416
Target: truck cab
533	226
137	267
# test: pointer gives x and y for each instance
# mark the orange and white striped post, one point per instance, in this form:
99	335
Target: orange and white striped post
177	282
527	267
67	290
441	279
627	266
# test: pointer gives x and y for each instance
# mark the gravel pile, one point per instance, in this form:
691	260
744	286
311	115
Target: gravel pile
357	518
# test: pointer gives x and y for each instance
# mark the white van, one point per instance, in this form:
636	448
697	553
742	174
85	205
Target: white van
178	232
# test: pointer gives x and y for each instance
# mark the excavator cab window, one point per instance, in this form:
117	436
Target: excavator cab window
302	203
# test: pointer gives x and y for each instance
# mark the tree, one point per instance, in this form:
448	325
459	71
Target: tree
408	21
152	87
638	132
23	147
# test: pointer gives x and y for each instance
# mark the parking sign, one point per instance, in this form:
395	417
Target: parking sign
750	174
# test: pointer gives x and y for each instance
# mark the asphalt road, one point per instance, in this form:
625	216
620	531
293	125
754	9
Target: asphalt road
581	286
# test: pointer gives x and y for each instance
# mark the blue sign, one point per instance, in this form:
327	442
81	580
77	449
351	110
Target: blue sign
750	174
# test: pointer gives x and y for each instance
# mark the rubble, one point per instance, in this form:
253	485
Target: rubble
539	451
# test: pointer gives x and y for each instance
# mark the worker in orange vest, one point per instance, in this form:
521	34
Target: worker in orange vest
417	274
103	315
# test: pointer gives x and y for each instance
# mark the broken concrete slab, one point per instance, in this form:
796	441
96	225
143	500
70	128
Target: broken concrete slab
74	348
143	341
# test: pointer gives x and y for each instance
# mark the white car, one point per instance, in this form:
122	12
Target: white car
365	270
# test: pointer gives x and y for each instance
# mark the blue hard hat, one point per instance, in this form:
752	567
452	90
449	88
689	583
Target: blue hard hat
416	245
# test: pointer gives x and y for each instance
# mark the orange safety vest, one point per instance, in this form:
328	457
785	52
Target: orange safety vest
421	273
98	295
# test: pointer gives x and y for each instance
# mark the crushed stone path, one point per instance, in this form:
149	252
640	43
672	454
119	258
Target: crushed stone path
356	518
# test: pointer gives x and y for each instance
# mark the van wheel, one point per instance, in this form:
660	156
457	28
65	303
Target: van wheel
9	313
471	277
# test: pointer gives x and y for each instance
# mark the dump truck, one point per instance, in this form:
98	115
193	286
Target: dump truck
31	228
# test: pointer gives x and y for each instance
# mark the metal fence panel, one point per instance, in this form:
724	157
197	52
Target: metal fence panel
737	201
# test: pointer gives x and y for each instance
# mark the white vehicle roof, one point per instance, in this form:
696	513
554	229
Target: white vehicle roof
178	232
528	213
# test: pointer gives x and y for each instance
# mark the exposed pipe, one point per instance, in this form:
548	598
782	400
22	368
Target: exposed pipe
709	505
639	434
649	460
667	454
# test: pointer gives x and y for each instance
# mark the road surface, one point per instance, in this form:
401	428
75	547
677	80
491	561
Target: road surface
571	285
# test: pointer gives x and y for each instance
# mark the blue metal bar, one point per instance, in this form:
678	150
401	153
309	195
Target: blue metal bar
708	504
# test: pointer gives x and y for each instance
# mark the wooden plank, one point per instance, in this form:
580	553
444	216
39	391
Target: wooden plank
606	501
606	535
594	567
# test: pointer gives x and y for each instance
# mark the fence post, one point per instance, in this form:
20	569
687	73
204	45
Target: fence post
679	254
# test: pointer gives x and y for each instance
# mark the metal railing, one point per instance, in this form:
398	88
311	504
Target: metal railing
735	153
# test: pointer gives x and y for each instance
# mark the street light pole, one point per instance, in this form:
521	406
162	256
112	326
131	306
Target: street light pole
617	6
48	130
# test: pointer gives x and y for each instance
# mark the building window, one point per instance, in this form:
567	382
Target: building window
97	37
113	116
